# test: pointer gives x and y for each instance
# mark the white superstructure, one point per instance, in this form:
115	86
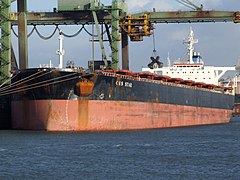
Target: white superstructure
194	68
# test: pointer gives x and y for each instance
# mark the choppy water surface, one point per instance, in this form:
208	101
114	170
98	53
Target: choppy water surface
205	152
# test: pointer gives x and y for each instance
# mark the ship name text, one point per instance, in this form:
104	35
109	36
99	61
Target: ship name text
124	84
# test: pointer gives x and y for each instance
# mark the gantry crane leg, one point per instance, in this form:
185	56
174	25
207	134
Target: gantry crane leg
125	52
22	34
5	41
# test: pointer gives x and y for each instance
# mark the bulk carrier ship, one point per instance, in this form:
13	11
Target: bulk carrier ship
71	99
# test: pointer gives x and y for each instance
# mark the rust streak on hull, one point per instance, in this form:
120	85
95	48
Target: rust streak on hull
82	114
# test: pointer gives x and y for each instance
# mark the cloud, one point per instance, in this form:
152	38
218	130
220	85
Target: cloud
179	35
133	4
208	4
164	5
148	5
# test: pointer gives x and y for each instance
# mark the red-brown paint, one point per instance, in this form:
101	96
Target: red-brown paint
94	115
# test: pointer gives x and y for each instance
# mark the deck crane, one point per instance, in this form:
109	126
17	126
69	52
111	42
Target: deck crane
135	26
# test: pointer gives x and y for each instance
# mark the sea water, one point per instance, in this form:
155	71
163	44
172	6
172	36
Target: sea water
201	152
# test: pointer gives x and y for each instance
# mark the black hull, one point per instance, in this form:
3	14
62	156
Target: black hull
5	112
110	88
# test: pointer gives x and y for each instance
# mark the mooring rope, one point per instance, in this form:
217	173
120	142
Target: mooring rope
38	84
35	87
24	80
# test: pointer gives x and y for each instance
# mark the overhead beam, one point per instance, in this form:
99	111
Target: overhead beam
22	33
63	18
85	17
191	16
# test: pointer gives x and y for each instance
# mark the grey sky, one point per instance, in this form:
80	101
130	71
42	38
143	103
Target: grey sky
218	42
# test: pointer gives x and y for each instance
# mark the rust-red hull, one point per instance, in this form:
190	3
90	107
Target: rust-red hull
99	115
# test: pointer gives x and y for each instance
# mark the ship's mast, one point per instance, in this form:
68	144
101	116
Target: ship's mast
191	41
60	52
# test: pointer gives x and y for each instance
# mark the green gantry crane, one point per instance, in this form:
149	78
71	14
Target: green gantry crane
5	41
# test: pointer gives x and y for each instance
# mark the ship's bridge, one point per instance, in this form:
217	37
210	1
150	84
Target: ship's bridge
197	73
184	66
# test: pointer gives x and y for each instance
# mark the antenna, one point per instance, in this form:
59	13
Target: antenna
190	42
168	60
